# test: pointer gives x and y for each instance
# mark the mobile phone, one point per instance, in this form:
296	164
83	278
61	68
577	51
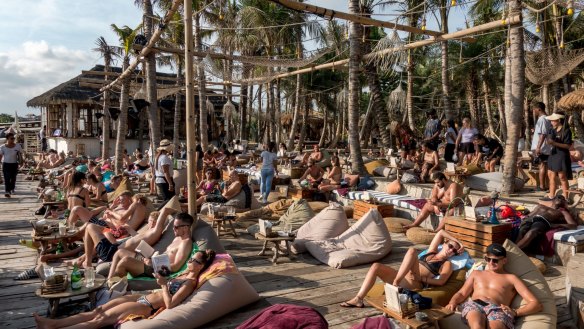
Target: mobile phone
480	302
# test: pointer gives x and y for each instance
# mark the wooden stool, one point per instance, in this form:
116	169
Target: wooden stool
220	226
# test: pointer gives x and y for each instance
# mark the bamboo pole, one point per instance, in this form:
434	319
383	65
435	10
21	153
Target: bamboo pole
90	81
330	13
192	156
134	76
148	48
454	35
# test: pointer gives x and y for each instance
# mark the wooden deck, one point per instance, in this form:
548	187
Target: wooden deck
304	281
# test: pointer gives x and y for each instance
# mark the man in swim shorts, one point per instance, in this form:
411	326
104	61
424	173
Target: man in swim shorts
492	291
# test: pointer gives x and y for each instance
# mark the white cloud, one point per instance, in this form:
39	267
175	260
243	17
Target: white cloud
33	68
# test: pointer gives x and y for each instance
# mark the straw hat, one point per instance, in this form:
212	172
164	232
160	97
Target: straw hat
554	117
165	145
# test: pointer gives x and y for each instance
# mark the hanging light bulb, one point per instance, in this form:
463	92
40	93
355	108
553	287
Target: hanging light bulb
537	29
562	44
570	7
424	24
453	3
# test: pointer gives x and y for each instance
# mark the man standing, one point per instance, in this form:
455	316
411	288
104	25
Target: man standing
492	291
43	139
432	131
10	153
539	146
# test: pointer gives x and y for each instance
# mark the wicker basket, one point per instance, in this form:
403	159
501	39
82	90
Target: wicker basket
420	235
408	310
395	224
56	284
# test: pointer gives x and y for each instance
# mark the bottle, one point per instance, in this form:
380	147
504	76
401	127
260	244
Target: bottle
66	213
175	164
75	278
59	195
60	248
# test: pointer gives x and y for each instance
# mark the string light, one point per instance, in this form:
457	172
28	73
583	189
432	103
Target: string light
453	3
424	18
537	29
570	7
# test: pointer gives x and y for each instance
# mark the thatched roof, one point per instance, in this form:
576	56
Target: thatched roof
73	91
572	101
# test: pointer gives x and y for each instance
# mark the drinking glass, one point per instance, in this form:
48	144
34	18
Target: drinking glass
89	277
48	271
62	229
211	210
231	211
288	228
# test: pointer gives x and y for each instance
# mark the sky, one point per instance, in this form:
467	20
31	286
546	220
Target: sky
46	42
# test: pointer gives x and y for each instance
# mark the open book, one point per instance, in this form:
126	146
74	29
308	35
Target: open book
392	298
159	261
144	249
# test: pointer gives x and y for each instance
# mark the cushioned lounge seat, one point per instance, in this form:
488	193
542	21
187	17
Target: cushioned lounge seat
330	222
286	316
378	168
366	241
489	182
519	264
297	214
382	197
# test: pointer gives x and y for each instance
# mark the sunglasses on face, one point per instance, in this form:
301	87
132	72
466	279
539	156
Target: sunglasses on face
492	260
453	248
196	261
176	227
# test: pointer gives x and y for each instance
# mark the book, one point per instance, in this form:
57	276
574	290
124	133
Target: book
144	249
159	261
392	298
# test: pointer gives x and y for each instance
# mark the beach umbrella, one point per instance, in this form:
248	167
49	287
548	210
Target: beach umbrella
573	101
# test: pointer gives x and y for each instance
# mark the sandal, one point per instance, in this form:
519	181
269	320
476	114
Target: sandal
27	275
347	304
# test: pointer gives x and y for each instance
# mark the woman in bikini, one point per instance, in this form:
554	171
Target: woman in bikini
97	189
207	186
172	293
430	162
415	272
334	176
78	195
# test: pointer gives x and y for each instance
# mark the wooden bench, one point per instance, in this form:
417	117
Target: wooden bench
476	236
362	207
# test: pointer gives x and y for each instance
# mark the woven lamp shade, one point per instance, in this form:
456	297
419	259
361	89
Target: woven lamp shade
420	235
539	264
395	224
573	101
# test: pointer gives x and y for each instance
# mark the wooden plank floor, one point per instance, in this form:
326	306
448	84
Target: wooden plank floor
304	281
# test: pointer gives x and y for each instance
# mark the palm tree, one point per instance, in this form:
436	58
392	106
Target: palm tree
126	36
108	53
355	35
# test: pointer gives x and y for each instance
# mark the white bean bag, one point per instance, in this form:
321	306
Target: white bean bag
366	241
490	182
519	264
330	222
213	300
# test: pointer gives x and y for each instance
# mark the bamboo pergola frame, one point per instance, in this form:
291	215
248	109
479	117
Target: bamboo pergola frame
330	13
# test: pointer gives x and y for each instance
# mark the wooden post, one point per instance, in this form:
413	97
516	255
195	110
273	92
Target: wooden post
190	109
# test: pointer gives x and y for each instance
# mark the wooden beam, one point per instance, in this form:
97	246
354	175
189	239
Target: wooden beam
192	155
330	13
148	48
514	20
116	74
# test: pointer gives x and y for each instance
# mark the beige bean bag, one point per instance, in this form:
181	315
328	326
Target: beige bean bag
179	178
298	214
519	264
328	223
213	300
366	241
419	235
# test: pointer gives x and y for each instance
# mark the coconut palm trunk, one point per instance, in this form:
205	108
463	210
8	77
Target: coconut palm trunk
446	103
122	120
243	111
356	32
204	129
515	108
297	102
177	110
151	93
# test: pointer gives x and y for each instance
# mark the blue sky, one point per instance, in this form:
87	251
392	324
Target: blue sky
46	42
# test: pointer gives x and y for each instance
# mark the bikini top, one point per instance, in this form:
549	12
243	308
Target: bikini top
78	196
174	285
432	266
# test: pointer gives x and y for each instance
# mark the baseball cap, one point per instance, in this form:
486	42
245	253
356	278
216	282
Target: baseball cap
497	249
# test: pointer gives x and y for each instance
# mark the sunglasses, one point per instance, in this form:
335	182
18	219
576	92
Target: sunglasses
196	261
492	260
176	227
452	247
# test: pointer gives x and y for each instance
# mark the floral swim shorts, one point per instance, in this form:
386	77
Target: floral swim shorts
492	312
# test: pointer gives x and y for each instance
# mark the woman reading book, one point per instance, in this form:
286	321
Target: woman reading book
172	293
432	269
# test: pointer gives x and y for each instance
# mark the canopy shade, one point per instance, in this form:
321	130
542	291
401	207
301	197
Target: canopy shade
573	101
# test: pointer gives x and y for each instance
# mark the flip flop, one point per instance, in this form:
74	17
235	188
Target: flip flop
347	304
27	275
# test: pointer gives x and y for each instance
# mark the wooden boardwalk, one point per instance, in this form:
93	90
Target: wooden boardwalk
304	281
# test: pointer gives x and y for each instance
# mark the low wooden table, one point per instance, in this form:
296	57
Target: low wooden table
362	207
68	293
276	248
220	225
435	313
476	236
55	237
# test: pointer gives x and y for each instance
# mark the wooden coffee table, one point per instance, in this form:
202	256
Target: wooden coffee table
54	299
54	237
476	236
435	313
220	225
276	248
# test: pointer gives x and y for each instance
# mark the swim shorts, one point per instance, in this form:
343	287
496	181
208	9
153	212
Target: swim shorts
491	311
106	250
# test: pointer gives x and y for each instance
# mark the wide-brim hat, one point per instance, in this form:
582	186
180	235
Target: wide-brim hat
554	117
165	145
